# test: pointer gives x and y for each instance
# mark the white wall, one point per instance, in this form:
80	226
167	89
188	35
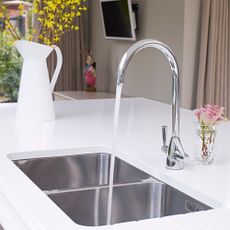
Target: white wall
148	74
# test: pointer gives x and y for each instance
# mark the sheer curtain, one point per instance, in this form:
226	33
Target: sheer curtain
73	44
213	85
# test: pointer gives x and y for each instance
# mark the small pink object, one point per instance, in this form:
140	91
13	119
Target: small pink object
210	114
90	78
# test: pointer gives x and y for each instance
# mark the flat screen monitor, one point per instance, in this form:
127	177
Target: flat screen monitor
118	19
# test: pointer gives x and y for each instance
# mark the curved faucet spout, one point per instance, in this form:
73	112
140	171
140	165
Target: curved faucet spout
174	155
150	43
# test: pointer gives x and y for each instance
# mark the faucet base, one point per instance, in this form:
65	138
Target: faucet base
174	164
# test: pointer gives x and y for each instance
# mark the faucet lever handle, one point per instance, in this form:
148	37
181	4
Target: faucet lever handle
164	138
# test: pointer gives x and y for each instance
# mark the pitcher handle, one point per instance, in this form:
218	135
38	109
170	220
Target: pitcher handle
58	67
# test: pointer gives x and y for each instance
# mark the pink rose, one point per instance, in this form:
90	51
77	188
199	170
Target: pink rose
210	114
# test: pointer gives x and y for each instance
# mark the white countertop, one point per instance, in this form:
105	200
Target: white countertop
86	126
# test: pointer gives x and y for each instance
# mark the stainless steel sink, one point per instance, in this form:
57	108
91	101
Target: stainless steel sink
79	186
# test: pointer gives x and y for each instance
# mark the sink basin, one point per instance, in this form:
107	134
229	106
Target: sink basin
130	203
78	171
79	186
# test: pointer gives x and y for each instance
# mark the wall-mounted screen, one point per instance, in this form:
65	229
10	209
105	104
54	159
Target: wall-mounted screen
118	19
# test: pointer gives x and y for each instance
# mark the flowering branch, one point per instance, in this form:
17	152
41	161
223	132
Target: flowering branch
55	18
10	29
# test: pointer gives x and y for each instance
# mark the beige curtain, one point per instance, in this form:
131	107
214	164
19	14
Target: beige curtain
73	45
213	85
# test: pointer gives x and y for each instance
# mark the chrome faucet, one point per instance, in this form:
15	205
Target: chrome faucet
175	151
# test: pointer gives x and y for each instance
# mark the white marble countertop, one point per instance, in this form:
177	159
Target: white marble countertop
86	126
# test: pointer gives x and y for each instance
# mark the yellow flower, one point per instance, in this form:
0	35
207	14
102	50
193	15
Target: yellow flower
51	16
51	5
56	39
40	20
30	37
47	41
60	27
21	9
48	23
2	11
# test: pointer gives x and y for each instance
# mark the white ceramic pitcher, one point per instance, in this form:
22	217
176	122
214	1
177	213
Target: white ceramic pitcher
35	93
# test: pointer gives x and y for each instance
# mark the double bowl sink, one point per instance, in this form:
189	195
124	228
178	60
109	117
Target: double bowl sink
79	185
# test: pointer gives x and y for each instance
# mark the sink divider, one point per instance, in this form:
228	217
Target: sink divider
58	191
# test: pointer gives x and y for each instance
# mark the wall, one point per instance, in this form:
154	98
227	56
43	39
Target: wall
148	74
190	52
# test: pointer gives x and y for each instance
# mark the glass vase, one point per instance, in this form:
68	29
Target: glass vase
205	141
